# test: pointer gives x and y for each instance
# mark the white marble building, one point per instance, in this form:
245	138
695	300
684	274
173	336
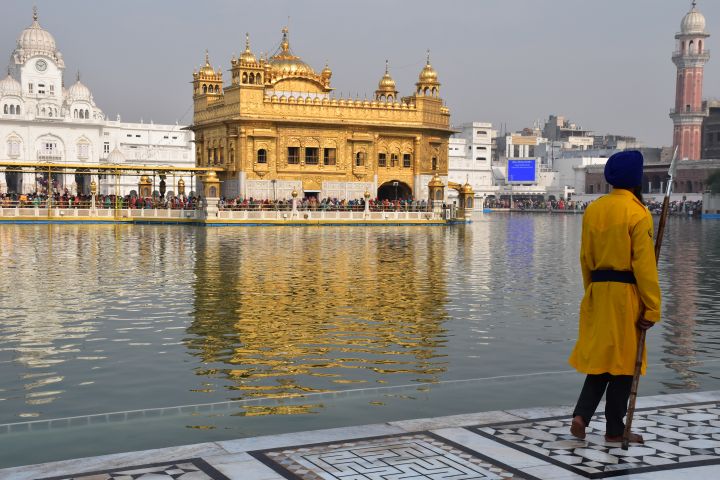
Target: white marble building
470	158
42	121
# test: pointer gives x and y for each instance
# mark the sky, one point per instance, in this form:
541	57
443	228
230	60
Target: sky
603	64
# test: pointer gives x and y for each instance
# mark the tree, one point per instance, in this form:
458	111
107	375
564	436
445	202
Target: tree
713	182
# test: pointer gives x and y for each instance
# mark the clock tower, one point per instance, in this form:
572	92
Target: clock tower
38	64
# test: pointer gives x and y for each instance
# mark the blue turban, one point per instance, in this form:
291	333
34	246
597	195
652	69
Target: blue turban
625	169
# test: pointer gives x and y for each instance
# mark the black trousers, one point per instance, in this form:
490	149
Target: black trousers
616	401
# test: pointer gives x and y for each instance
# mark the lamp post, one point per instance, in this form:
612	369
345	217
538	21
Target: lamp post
93	192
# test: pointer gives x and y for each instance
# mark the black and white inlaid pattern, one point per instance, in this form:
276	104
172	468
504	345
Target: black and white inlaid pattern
417	456
190	469
675	437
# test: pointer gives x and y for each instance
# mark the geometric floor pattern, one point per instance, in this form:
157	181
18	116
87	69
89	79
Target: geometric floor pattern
190	469
417	456
678	436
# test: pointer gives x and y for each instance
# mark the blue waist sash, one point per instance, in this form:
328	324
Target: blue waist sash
621	276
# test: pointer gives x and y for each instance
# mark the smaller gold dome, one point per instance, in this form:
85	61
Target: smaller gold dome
247	56
435	182
467	188
428	73
386	83
326	72
145	179
207	69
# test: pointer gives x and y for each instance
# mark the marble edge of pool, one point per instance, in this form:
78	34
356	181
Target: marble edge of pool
237	449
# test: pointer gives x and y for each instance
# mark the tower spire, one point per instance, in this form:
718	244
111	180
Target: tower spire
35	14
386	65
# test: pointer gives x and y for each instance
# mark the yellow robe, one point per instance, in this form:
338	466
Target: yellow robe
617	234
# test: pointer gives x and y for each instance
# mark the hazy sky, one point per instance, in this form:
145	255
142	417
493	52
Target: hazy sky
604	64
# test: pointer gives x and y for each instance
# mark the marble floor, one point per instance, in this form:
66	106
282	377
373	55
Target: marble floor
682	434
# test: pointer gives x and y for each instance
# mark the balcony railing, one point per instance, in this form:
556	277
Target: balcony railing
704	55
692	111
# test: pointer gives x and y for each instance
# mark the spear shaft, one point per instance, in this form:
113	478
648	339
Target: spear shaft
641	337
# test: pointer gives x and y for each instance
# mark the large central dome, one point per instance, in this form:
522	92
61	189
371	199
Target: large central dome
35	40
284	62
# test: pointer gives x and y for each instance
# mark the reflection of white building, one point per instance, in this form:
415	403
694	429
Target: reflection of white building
41	121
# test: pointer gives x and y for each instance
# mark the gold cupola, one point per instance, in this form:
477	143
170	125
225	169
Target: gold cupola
247	56
207	81
428	84
386	87
284	62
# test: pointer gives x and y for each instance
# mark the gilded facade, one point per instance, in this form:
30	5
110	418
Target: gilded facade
278	127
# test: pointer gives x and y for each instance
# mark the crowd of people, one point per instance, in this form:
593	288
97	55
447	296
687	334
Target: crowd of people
676	207
67	200
312	203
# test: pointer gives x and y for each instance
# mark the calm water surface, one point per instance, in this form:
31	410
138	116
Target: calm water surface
310	327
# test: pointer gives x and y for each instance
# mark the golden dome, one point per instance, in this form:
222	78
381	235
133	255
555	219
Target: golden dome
326	72
284	62
435	182
386	84
428	73
247	56
467	188
207	69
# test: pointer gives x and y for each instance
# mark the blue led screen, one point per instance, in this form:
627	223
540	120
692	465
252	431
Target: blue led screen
522	171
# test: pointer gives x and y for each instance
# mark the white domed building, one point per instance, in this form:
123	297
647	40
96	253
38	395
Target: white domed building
42	121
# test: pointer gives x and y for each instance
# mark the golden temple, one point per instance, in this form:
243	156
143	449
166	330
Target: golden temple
278	127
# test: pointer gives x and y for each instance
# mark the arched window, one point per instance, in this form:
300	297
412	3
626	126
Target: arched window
17	110
5	110
244	77
252	78
258	79
75	114
217	89
213	192
434	91
359	159
438	195
590	189
390	98
425	92
12	109
204	88
434	163
82	114
700	46
42	111
262	156
87	114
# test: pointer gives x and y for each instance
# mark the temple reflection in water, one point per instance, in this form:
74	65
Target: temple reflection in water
318	314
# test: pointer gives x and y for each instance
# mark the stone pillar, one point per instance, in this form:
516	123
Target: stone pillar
366	213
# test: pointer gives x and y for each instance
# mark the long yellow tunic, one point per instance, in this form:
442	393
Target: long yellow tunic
617	234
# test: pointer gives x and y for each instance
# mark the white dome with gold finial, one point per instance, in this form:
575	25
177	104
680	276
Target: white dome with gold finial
34	41
693	22
78	91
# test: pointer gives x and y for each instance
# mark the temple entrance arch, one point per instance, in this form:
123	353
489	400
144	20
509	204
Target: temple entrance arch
394	190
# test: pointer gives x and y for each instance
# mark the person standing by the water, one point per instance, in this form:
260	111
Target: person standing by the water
622	295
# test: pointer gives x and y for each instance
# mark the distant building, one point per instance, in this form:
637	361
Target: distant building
711	130
690	58
43	122
558	128
470	153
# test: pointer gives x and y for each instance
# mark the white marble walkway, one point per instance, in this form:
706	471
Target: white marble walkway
682	433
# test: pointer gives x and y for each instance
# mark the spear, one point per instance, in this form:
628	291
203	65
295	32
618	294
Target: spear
641	338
